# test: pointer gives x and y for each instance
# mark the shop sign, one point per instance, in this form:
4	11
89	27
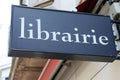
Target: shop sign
61	35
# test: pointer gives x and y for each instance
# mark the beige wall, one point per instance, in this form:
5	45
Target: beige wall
83	70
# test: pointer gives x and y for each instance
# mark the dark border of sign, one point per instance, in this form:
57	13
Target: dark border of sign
50	55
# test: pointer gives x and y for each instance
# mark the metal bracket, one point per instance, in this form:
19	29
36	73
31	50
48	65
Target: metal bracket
118	57
112	1
117	22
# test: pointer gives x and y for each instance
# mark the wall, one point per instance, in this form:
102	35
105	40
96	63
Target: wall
83	70
4	71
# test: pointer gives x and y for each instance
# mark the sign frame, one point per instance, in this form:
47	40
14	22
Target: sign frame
18	47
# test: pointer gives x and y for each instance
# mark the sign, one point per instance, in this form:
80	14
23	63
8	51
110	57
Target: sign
61	35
